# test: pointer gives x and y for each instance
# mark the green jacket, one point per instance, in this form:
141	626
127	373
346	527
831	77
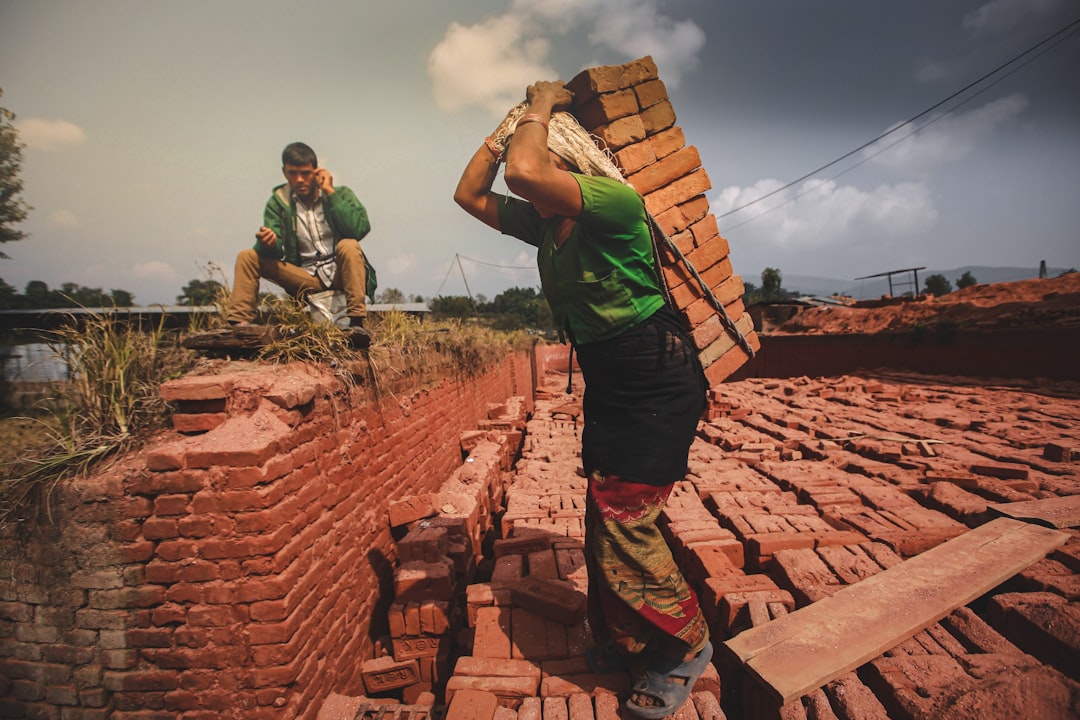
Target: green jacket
603	280
344	212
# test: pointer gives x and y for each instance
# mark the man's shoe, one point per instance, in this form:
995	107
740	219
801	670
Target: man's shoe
356	322
359	338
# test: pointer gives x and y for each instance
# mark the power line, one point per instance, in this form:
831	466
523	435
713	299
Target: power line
885	134
896	142
505	267
457	262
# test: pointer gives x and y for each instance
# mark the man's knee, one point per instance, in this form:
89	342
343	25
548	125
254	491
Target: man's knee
247	256
348	248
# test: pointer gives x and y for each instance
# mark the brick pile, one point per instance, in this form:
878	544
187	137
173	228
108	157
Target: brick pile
628	109
760	536
438	556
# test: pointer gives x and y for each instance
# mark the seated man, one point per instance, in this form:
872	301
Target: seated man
309	241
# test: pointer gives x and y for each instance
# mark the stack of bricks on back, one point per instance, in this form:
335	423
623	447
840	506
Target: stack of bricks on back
627	108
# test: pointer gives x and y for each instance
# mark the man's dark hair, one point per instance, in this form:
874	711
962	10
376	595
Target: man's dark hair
298	154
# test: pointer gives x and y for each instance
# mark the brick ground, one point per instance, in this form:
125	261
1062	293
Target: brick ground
838	477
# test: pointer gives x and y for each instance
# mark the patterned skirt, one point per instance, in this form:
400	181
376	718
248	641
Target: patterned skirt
644	395
637	595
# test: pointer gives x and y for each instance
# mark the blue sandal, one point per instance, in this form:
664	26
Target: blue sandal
668	682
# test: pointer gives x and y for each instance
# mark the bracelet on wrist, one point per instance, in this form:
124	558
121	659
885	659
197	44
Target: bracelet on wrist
532	117
490	142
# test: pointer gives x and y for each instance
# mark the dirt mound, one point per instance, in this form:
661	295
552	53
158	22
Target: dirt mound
1047	303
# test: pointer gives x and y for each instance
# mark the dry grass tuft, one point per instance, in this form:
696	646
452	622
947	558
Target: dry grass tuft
111	403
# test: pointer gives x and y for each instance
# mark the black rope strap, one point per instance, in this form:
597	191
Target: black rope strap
725	319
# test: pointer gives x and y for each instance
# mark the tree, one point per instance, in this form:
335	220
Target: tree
7	295
751	294
966	280
937	284
13	209
200	292
457	306
121	298
391	296
770	284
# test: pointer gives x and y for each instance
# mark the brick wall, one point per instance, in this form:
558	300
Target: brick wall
234	569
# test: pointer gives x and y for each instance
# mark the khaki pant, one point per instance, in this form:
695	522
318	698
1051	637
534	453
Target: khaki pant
350	277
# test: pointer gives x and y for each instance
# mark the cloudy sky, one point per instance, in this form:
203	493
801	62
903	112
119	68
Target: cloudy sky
154	129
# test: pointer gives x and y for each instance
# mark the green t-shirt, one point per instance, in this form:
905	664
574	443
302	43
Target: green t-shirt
602	281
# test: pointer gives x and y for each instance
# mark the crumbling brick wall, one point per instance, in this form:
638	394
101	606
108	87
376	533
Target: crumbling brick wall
235	569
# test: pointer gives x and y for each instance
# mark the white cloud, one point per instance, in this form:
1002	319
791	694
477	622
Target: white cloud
636	28
823	214
63	219
949	138
400	264
488	65
154	270
1001	16
49	135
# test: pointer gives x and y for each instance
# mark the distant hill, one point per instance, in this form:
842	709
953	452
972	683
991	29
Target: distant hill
876	287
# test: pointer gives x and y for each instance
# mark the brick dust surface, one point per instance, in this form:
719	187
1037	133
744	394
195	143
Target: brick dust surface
799	487
1043	303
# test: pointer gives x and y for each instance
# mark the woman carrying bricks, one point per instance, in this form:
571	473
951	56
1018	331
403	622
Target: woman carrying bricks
644	387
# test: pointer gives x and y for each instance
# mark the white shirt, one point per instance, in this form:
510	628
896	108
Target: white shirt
315	240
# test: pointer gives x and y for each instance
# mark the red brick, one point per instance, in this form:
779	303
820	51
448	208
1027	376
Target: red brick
606	108
160	529
412	618
607	707
416	581
591	82
657	118
434	618
492	636
672	221
1014	472
726	342
666	142
678	192
473	666
734	603
522	545
471	704
666	171
731	361
566	685
634	157
1056	452
197	422
727	292
639	71
651	92
529	637
622	132
542	565
427	544
549	598
509	690
701	259
386	673
408	648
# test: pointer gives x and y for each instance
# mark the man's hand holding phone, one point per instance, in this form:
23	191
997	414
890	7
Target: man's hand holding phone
325	180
